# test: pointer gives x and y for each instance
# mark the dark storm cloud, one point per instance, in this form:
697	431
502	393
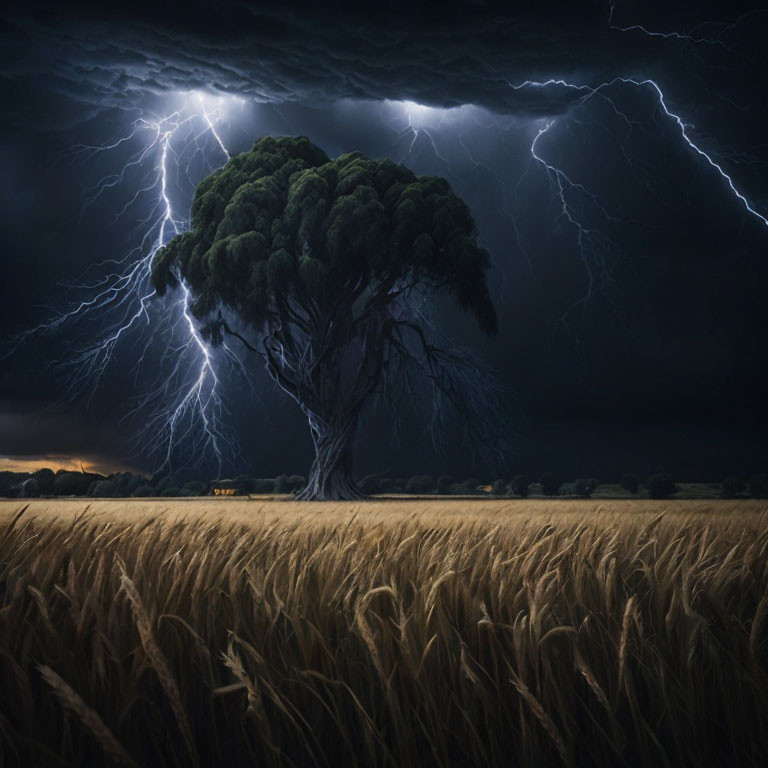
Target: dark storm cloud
442	54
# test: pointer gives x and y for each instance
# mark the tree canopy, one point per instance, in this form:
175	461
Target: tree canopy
284	223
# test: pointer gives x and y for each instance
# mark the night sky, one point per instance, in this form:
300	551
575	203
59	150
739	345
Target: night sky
642	351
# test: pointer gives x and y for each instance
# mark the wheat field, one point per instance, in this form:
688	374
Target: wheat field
387	633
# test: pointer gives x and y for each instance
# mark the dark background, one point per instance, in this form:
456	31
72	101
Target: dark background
646	352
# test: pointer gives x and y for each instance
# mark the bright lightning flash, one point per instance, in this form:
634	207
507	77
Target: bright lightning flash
594	243
184	406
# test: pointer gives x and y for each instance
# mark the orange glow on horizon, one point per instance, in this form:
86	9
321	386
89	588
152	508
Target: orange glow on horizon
70	463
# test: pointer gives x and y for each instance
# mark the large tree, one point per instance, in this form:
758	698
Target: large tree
322	267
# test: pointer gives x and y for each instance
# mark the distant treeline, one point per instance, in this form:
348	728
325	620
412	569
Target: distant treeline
182	482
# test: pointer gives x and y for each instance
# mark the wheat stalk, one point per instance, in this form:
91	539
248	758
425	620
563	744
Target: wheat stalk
629	609
158	661
90	719
541	715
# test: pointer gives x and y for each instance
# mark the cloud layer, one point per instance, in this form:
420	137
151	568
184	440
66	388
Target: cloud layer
433	53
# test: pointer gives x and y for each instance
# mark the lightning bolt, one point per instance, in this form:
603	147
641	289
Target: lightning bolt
184	408
415	132
594	244
211	126
688	37
581	207
599	90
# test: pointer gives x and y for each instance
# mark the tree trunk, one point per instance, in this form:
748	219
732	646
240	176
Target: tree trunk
330	478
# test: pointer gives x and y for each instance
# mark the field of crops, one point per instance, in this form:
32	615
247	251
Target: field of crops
386	633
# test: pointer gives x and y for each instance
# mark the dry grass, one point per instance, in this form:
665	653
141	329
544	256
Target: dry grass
392	633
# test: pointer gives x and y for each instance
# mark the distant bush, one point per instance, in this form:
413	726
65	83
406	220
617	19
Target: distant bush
444	483
391	485
161	483
73	483
630	482
121	479
106	489
30	489
370	484
182	475
519	486
289	483
296	482
470	486
117	489
147	490
45	478
132	482
758	486
585	486
457	489
550	484
732	487
243	483
499	487
171	490
661	485
420	484
386	485
10	483
194	488
135	483
281	484
263	485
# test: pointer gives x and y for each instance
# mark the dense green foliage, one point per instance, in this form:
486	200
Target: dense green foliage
550	483
73	483
284	222
499	487
420	484
661	485
519	485
45	479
